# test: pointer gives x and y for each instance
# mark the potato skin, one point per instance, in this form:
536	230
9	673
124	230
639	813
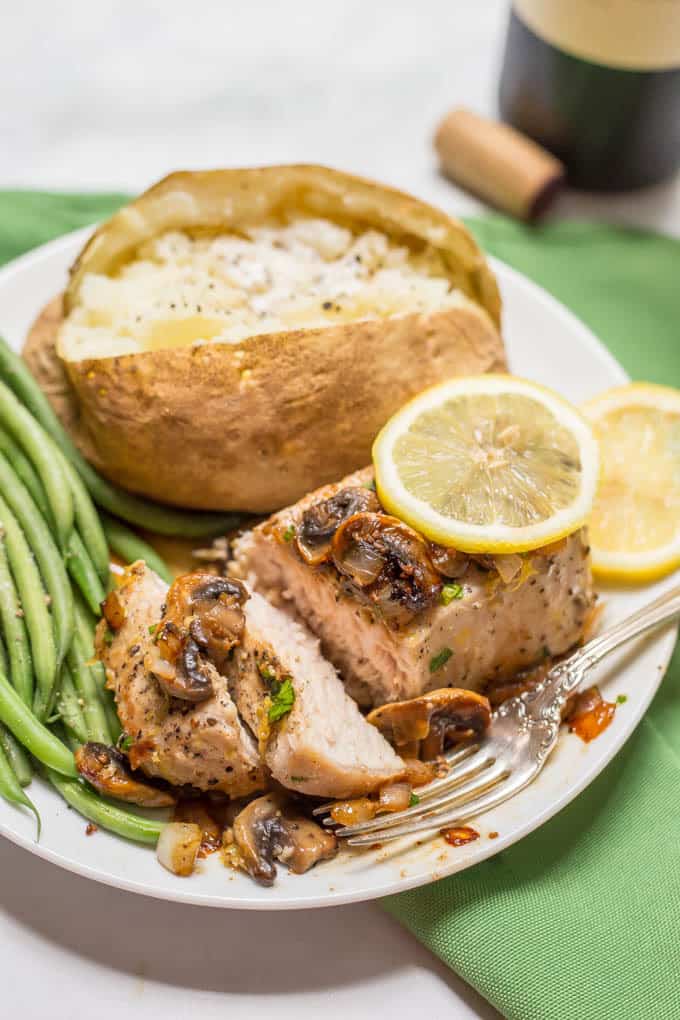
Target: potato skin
254	425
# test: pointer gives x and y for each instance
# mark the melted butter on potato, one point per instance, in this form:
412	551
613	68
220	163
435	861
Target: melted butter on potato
164	333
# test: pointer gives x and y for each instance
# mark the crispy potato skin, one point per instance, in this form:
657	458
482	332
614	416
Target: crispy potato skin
253	426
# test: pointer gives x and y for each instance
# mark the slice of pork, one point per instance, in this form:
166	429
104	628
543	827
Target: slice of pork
233	739
322	745
205	745
494	629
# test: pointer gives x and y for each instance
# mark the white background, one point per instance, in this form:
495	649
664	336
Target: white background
98	95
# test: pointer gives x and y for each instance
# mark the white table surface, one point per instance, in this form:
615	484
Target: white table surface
112	96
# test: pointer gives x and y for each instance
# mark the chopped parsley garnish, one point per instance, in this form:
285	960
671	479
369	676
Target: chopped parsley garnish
298	779
289	533
125	742
283	699
108	636
153	627
370	485
622	699
440	659
266	672
451	592
413	800
546	652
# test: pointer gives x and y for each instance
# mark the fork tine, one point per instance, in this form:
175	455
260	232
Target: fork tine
459	795
471	754
443	818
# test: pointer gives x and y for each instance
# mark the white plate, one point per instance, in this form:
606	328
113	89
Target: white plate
545	343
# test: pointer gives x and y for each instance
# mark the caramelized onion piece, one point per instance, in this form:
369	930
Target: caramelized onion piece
388	563
197	810
434	720
108	771
392	797
113	610
178	846
267	830
320	522
353	812
395	797
508	566
417	772
451	563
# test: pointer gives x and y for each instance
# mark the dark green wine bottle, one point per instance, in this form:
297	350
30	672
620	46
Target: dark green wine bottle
597	82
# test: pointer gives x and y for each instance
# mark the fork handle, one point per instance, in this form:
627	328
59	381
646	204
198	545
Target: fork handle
569	673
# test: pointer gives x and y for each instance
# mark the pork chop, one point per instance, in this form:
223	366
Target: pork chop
388	620
205	745
277	706
322	745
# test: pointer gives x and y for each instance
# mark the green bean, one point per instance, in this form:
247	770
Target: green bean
14	630
85	683
11	790
147	514
88	522
33	604
46	553
115	725
69	738
27	474
82	570
85	625
131	547
40	448
103	812
17	757
30	732
68	705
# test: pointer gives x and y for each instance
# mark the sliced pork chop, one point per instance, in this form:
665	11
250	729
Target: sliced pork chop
205	745
314	739
322	745
488	628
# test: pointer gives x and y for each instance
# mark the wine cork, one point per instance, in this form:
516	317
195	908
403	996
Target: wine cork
498	164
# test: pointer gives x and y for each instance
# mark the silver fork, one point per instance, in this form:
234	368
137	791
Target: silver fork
523	732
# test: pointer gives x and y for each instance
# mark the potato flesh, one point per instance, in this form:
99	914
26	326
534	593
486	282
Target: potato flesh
305	274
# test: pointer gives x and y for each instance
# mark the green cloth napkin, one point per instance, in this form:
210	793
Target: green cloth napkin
581	920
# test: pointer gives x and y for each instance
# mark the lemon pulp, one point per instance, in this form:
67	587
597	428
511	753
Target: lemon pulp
635	525
489	463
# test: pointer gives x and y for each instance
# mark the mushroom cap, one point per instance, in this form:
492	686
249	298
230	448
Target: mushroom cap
320	522
108	771
202	621
388	563
264	833
433	719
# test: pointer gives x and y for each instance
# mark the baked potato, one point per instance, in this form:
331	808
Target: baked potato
235	338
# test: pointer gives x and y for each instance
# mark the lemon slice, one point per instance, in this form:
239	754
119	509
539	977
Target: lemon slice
635	525
488	463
